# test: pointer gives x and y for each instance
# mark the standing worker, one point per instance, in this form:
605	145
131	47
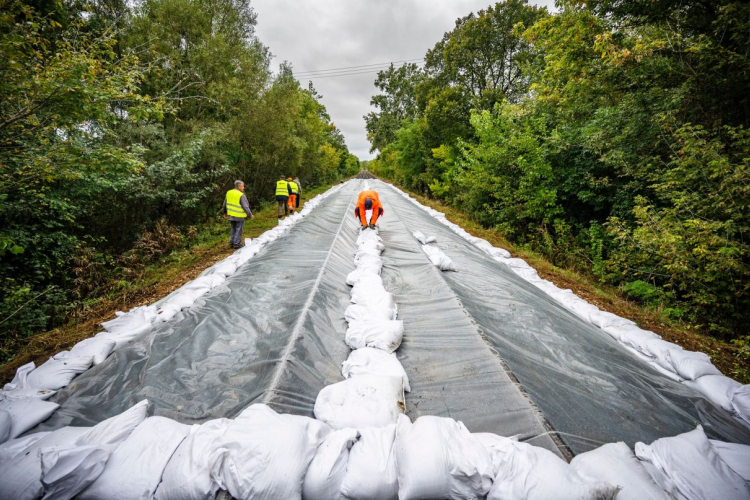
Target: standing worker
236	209
368	200
299	190
293	194
282	195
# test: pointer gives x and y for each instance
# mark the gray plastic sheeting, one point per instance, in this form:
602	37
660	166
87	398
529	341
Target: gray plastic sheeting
273	333
588	387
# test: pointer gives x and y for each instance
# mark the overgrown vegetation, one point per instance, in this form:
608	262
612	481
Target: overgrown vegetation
611	137
122	124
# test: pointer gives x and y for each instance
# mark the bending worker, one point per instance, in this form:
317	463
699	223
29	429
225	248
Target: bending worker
283	190
368	200
236	209
292	203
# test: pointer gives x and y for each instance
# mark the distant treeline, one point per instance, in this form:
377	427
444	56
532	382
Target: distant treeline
122	124
611	136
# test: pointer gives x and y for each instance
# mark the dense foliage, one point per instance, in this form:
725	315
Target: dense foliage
121	125
611	136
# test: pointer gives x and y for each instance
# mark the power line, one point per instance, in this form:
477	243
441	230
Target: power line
347	73
345	68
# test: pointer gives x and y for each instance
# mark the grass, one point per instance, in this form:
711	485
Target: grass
153	282
724	355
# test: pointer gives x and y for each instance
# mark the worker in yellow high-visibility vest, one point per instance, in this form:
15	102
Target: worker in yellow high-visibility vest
292	202
283	191
236	209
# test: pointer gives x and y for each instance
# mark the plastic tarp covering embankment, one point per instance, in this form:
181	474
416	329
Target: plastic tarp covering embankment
589	388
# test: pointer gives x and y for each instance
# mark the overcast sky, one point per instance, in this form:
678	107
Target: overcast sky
315	35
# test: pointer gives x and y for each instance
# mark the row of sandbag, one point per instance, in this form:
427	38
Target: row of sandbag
23	402
264	455
694	369
372	392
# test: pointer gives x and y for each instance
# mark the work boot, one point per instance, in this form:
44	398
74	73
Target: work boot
373	226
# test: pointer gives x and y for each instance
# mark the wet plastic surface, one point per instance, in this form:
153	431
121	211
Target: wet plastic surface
588	387
274	333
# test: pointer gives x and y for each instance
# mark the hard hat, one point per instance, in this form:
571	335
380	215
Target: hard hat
368	204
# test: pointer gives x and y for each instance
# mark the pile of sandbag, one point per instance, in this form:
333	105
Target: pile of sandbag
434	253
694	369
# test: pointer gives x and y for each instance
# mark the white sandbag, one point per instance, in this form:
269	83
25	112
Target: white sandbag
5	426
603	319
439	458
368	282
167	312
385	335
736	456
353	277
374	299
326	473
372	473
225	268
57	373
527	472
487	247
741	402
265	455
135	468
691	365
68	471
615	464
373	262
516	263
187	475
186	298
659	349
419	235
97	348
372	361
716	388
29	393
13	447
19	379
497	448
116	429
136	318
25	413
364	401
378	312
78	465
438	258
632	336
370	238
693	466
582	309
120	339
21	477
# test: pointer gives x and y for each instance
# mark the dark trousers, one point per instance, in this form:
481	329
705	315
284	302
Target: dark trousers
281	200
235	232
299	195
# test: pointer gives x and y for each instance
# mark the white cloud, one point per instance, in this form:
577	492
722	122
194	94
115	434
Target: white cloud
324	34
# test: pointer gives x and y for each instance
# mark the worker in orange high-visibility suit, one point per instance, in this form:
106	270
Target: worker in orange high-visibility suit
368	200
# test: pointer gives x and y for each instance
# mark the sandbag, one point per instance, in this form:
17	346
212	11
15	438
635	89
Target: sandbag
370	238
225	268
372	361
659	350
135	319
57	373
378	312
13	447
265	455
353	277
741	402
438	258
716	388
187	475
326	473
25	413
135	468
372	473
186	298
424	240
527	472
373	298
615	464
96	348
120	339
439	458
632	336
736	456
384	335
68	471
363	401
75	457
691	365
19	379
29	393
167	312
693	466
5	425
